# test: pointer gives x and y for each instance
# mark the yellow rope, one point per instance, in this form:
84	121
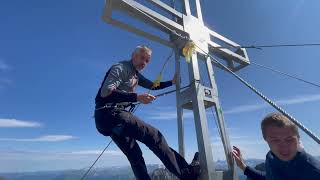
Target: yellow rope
188	50
156	83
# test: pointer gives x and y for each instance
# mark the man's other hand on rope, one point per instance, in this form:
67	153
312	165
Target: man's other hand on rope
145	98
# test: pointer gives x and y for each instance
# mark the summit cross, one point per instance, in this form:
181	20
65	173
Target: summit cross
174	29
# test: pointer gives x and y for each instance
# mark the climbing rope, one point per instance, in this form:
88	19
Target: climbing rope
156	83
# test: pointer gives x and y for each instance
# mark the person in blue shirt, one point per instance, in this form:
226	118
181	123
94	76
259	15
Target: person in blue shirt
286	160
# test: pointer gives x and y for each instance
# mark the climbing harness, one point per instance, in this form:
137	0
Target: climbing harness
118	106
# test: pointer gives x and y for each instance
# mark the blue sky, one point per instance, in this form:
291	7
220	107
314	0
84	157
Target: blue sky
53	56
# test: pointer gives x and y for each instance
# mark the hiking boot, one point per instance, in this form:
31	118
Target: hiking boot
194	166
196	160
192	172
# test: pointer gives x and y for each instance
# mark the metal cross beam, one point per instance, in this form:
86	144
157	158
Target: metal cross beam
183	23
178	27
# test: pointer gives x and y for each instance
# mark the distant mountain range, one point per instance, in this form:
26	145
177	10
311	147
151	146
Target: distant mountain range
108	173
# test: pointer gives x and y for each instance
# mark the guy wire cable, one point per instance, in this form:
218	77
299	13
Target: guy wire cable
279	45
286	74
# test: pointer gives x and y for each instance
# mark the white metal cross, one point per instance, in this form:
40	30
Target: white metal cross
185	24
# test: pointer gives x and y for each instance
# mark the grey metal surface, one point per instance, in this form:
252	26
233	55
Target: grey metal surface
139	12
200	119
187	7
179	107
197	32
141	33
199	12
219	115
167	8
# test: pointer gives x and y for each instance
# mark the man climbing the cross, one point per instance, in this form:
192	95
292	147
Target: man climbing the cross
116	94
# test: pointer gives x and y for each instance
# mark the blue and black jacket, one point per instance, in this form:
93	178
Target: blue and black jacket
302	167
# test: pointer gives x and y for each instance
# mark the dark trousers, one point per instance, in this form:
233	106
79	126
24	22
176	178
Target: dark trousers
125	128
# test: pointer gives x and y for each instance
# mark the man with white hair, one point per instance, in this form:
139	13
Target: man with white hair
116	94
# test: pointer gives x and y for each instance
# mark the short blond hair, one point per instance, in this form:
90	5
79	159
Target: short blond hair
142	48
277	120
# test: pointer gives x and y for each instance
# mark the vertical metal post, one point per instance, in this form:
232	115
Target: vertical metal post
179	108
187	7
203	138
199	12
221	126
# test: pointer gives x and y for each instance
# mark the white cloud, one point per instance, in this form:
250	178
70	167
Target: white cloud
95	152
289	101
53	138
170	113
245	108
243	140
5	81
250	147
14	123
300	99
3	66
75	153
213	139
167	115
13	160
296	10
47	138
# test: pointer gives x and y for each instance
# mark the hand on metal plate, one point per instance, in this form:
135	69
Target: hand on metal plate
174	79
238	158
